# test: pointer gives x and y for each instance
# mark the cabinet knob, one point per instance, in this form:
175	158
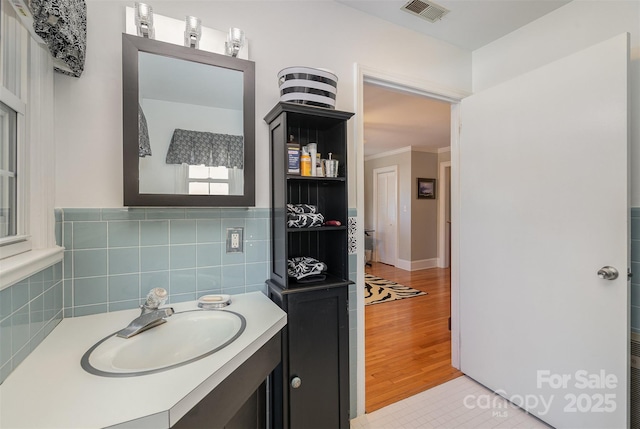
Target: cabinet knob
296	382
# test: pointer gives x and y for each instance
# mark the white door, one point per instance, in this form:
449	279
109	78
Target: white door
386	197
543	207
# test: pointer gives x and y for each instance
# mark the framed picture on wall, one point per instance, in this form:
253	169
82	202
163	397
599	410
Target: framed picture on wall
427	188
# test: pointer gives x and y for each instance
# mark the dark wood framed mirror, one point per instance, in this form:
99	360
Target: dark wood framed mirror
188	126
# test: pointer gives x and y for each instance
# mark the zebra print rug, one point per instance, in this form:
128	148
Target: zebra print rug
378	290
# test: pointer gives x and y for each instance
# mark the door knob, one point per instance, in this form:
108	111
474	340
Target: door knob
296	382
608	273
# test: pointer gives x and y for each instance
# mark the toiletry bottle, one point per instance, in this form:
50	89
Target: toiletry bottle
293	156
312	148
319	168
305	162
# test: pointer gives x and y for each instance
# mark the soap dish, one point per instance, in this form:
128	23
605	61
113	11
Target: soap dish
208	302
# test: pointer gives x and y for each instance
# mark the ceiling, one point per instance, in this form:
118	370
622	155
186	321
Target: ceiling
470	24
394	119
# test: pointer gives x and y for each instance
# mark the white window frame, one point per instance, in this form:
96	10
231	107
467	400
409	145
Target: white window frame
14	50
21	242
208	180
27	64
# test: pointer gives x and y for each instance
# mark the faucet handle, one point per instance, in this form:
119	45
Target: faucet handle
156	297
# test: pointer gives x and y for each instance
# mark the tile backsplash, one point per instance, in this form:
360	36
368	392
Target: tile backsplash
29	310
113	257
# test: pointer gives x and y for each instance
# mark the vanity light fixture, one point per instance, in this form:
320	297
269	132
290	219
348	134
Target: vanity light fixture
144	20
192	32
235	42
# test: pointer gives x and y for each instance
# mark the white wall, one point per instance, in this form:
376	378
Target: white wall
88	129
573	27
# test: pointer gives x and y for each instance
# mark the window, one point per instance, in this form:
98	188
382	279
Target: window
8	163
27	224
14	232
205	180
14	90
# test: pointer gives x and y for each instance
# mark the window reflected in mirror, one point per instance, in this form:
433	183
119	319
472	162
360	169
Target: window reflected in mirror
203	180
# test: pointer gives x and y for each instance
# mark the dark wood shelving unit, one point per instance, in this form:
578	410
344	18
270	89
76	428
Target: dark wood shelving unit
310	389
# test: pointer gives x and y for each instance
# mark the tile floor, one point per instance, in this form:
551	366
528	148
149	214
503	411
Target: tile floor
443	407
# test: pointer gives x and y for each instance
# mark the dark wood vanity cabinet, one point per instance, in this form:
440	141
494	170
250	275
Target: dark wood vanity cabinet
310	389
239	402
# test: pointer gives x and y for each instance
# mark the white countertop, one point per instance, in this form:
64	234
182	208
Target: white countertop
49	389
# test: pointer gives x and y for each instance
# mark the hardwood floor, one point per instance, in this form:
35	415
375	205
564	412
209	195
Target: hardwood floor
408	342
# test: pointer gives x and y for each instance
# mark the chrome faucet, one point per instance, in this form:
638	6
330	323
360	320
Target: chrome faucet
151	316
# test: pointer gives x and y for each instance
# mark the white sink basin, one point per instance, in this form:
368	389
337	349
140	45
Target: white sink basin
185	338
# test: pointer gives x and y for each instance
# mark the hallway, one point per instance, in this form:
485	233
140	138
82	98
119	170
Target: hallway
407	342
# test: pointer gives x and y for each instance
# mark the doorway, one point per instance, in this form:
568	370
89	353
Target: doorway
407	197
454	97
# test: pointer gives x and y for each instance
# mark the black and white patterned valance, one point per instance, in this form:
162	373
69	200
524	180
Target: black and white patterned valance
144	145
62	24
205	148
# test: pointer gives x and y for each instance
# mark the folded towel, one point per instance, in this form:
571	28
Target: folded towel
304	220
301	208
306	268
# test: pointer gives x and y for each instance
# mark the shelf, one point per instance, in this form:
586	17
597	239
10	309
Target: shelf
315	179
300	114
318	228
329	282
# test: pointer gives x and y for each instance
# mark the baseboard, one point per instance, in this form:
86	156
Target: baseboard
440	263
421	264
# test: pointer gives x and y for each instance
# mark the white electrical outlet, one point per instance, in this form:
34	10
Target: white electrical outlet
234	240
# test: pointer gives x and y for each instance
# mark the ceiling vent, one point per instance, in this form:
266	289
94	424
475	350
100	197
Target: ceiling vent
426	10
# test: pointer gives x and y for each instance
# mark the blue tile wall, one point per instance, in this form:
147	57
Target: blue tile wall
29	310
635	269
113	257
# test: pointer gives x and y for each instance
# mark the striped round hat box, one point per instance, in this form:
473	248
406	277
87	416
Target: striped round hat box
310	86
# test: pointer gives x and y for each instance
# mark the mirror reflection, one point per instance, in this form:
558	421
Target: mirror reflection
190	125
